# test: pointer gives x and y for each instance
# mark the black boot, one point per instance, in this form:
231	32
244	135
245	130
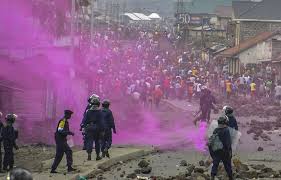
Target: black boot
89	157
53	171
98	158
70	169
103	154
107	154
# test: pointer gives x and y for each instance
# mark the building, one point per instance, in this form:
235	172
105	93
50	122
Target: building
224	14
260	49
253	17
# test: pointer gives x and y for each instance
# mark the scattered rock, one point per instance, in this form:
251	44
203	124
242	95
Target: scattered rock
190	168
260	149
199	170
146	170
201	163
258	167
267	170
119	169
249	174
100	177
181	176
208	163
143	164
183	163
137	171
132	176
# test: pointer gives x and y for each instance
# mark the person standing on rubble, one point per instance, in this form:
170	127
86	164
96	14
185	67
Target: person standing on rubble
207	103
220	148
278	93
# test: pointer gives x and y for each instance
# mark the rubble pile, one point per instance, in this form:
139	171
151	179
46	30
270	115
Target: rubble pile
259	129
245	107
202	172
255	109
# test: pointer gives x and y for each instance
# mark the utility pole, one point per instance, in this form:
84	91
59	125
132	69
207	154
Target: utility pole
72	36
202	31
92	21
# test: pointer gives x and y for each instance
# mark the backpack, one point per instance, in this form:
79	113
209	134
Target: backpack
215	143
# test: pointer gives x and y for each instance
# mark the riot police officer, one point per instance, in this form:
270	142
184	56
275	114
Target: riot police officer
223	154
9	136
93	128
62	147
232	122
109	126
90	104
1	128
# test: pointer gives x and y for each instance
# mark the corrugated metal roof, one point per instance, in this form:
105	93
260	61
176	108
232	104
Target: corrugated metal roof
247	44
132	16
142	16
223	11
154	16
264	10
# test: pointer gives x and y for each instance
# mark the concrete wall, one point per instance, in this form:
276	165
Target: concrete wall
256	54
262	51
251	29
276	49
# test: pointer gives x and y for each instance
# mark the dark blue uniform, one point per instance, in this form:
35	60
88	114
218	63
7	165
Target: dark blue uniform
224	155
82	125
109	125
232	122
9	136
62	147
1	129
93	129
206	104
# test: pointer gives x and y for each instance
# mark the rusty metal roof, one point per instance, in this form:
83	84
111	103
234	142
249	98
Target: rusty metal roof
247	44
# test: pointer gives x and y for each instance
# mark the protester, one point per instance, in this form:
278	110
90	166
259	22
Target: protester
278	92
228	86
253	90
207	102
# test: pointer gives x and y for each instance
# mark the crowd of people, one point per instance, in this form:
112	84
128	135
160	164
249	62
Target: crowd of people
148	68
253	86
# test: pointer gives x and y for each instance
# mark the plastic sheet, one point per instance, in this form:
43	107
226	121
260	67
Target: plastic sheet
70	141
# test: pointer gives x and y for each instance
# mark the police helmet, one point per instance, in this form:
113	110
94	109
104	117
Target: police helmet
106	102
92	98
228	110
11	117
222	120
95	102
